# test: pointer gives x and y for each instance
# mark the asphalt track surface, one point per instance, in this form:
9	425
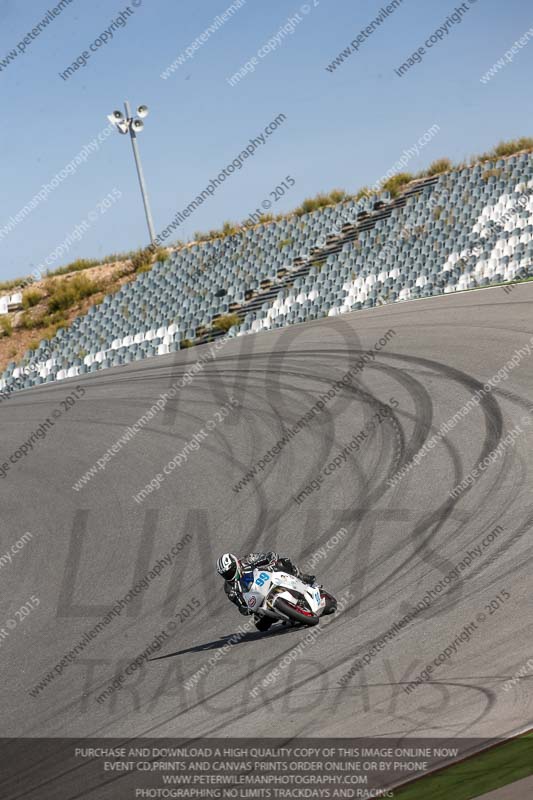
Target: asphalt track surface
514	791
89	547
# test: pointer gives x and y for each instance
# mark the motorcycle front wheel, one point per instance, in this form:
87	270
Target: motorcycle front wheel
295	613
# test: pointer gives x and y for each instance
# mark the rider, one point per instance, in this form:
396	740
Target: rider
238	574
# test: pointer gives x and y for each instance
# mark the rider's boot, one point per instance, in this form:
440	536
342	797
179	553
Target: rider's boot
263	623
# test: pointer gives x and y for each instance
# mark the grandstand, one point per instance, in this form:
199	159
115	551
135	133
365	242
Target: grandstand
458	230
10	302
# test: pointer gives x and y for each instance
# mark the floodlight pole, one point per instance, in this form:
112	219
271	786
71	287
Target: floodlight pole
140	175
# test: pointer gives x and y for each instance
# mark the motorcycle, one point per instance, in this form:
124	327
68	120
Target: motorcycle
275	596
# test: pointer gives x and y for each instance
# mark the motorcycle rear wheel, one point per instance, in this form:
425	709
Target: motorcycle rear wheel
331	603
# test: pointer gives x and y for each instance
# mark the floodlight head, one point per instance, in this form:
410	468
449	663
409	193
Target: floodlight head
142	111
137	125
118	120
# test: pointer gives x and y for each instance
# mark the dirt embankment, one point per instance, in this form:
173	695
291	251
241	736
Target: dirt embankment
23	329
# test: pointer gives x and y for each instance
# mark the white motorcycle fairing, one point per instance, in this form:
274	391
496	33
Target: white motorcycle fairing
270	585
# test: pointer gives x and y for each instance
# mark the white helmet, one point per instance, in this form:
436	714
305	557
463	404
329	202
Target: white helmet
229	567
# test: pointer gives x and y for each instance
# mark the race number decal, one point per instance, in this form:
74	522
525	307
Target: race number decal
263	578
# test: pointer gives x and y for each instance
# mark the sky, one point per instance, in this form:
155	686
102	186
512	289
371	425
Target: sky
341	128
